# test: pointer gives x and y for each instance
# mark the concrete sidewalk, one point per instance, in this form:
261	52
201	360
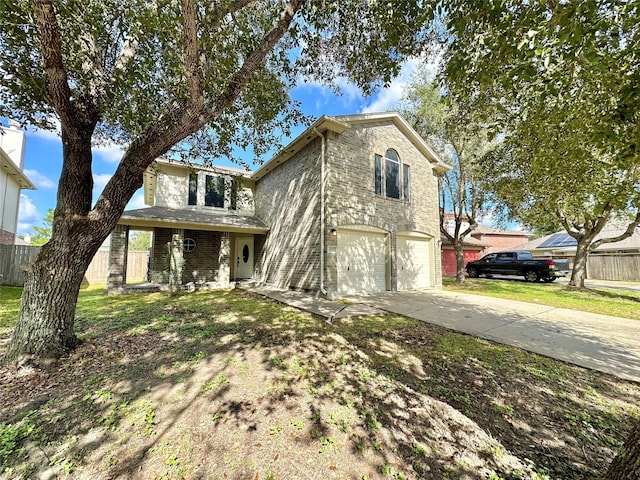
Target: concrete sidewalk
600	342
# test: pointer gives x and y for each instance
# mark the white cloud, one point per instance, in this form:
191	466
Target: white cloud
41	181
28	214
48	135
100	180
137	201
389	97
111	153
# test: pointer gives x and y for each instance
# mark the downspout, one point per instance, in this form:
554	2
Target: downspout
322	228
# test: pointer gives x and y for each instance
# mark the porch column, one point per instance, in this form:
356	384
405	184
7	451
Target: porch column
176	262
224	260
117	276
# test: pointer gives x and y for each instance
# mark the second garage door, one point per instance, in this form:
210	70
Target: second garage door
361	262
414	262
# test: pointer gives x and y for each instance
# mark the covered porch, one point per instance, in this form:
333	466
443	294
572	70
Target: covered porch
190	249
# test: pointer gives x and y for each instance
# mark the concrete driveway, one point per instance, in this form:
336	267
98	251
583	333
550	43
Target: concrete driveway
600	342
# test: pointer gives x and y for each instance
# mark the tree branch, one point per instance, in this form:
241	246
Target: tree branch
57	88
191	58
163	134
255	58
570	229
631	228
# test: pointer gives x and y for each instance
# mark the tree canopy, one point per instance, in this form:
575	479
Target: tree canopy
191	79
43	232
463	141
559	83
139	65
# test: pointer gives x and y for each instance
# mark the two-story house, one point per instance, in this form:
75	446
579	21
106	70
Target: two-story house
350	206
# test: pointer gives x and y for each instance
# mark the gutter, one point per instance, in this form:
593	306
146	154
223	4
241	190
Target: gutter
322	226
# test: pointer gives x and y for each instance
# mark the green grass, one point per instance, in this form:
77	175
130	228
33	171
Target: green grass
9	306
606	301
234	362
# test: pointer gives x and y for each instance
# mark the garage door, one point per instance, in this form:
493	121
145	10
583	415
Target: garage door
361	262
414	262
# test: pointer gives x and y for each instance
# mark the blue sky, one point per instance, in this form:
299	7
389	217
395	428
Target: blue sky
43	149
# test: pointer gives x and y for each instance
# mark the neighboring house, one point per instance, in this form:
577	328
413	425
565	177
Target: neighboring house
350	206
482	241
610	261
12	180
472	250
498	239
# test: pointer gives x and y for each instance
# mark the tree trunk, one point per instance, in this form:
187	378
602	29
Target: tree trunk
459	249
579	272
626	465
52	283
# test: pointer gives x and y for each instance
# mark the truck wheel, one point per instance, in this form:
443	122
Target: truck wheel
473	272
550	279
531	276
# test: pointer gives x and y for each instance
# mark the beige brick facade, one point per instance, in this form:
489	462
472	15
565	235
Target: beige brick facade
288	200
290	240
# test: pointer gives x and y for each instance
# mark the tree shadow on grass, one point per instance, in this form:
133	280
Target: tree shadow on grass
223	385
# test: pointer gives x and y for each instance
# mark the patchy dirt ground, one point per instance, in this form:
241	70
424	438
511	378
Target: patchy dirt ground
228	386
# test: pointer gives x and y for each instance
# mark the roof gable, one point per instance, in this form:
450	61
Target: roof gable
340	124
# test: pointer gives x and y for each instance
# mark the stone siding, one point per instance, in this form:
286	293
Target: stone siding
350	191
288	200
200	265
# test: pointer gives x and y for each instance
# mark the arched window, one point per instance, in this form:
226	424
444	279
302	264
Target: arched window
392	173
388	176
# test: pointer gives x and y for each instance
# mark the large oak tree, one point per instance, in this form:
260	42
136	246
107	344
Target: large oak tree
161	76
463	141
560	81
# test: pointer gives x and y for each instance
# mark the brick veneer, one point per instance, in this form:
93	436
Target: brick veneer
200	265
6	238
117	276
288	200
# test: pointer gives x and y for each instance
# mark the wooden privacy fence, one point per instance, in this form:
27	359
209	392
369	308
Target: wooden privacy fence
13	257
615	266
98	270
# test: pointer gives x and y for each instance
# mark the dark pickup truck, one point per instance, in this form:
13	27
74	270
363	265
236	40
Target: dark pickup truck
518	263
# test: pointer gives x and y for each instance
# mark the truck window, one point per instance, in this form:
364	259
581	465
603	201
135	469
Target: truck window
525	256
489	258
505	257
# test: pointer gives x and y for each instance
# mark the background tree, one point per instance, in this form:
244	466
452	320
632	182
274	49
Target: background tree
139	240
462	141
560	81
43	233
185	78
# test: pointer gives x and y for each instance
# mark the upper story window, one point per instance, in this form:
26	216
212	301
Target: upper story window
193	188
392	173
388	176
217	190
378	174
406	178
214	191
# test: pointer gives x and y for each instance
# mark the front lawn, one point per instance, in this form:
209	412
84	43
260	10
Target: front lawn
606	301
9	306
229	385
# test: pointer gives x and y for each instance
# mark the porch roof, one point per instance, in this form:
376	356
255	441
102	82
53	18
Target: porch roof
192	220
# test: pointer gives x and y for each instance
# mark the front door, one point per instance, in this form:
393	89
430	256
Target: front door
244	257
